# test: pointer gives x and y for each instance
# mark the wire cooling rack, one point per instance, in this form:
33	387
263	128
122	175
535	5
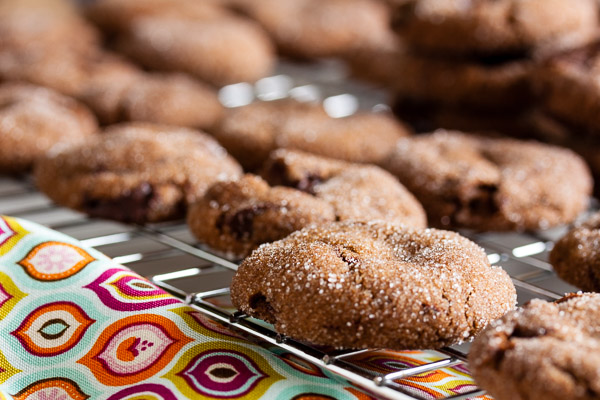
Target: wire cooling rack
169	256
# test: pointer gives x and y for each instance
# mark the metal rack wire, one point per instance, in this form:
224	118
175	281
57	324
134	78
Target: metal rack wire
169	256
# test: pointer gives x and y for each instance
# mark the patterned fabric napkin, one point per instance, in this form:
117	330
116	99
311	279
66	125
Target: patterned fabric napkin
76	325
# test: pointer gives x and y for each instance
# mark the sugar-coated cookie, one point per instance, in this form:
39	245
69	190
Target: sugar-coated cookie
544	350
136	172
375	285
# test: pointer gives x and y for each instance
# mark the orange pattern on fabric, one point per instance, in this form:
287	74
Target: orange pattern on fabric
34	267
134	349
67	385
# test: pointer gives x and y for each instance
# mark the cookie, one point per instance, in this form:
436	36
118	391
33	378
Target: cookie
54	23
202	49
544	350
570	90
136	172
194	37
33	120
114	16
251	132
321	28
478	84
512	28
237	217
357	192
426	117
172	99
576	257
373	285
491	184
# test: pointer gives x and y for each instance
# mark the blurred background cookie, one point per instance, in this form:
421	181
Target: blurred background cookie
251	132
576	256
199	38
492	184
320	28
33	120
492	27
136	172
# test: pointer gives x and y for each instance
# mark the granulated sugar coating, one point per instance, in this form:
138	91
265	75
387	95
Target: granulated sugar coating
33	120
576	256
237	217
356	191
545	350
496	27
491	184
376	285
136	172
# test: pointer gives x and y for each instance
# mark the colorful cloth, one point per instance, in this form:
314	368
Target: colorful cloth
76	325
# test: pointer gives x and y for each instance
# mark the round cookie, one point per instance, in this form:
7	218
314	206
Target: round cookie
321	28
576	256
373	285
117	15
251	132
491	184
496	27
356	192
237	216
544	350
570	89
33	120
136	172
475	83
456	83
48	23
172	99
201	48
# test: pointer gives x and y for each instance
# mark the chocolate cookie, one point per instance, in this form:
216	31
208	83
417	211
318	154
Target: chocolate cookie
251	132
357	192
376	285
460	83
491	184
576	256
545	351
33	120
237	217
496	27
194	37
136	172
321	28
478	84
569	86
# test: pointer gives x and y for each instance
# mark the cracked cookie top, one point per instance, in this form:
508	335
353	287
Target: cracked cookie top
136	172
238	216
357	285
544	351
491	184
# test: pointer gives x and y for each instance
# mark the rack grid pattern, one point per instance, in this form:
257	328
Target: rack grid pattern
169	256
